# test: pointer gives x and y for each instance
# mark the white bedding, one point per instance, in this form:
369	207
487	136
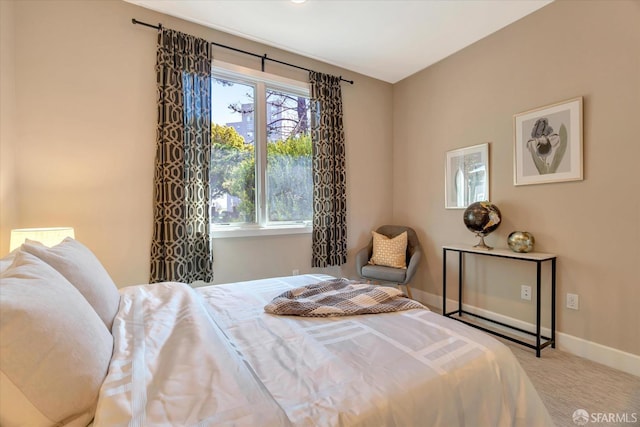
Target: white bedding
212	356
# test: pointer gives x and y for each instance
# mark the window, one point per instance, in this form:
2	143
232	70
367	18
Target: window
261	177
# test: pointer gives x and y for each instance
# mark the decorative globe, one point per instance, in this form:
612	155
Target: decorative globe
521	241
482	218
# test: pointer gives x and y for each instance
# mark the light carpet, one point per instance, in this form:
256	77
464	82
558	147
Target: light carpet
567	383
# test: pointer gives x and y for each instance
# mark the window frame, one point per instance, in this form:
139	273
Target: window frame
261	82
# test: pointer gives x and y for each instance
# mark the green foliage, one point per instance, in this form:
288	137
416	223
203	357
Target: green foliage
296	146
290	182
242	184
228	149
228	137
289	178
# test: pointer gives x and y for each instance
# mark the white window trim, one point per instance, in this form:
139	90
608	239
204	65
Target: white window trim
234	72
229	231
225	69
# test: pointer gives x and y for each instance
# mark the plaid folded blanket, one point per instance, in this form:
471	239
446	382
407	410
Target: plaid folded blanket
340	297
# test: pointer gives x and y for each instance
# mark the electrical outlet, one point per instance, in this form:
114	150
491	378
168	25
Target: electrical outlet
525	292
573	302
295	272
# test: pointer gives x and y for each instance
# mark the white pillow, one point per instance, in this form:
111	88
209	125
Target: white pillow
84	271
54	349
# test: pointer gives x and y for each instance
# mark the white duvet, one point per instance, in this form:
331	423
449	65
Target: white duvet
213	357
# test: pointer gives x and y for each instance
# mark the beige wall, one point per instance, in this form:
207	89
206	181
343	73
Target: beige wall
567	49
8	188
85	107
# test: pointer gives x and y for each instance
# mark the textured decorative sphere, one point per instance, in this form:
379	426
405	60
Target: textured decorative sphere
521	241
482	218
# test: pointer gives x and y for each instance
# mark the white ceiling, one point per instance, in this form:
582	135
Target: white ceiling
385	39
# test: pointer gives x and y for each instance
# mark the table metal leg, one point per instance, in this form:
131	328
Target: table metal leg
444	282
538	295
460	273
553	303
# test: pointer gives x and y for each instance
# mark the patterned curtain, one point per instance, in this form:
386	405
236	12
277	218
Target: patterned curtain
329	241
180	250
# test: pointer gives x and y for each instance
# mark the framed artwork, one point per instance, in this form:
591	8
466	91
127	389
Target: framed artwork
548	144
466	176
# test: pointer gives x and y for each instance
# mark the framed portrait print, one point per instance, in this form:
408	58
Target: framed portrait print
466	176
548	144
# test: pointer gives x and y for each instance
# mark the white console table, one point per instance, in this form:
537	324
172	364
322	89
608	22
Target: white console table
537	258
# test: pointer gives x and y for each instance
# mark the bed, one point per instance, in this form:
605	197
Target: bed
184	356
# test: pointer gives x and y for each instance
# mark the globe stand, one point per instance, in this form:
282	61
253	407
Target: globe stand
481	244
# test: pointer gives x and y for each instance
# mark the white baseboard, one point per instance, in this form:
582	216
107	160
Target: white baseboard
608	356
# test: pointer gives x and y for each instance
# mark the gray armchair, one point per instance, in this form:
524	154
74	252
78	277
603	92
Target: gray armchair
399	276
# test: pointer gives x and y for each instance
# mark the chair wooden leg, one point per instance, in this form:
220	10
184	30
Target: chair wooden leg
408	290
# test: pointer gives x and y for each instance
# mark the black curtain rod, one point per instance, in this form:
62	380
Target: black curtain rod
263	58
